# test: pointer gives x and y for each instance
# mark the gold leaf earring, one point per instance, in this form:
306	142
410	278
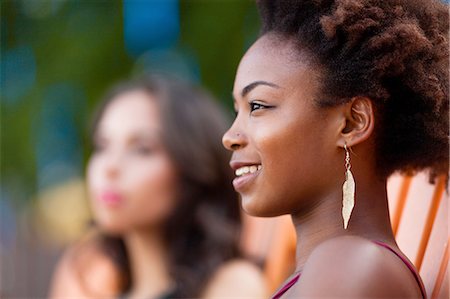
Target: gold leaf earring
348	190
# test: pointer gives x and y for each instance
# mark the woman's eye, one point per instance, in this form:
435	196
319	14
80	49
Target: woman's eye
98	148
257	106
142	150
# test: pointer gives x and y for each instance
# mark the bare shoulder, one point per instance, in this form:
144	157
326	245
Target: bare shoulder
84	272
236	279
354	267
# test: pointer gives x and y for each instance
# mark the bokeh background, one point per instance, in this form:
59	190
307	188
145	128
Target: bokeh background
57	59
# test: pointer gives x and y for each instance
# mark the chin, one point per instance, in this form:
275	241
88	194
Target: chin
113	228
256	207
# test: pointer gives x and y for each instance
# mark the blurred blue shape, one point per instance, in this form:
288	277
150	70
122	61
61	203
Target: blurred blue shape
171	62
151	24
18	73
58	148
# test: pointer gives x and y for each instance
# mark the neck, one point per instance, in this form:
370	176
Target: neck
148	263
369	219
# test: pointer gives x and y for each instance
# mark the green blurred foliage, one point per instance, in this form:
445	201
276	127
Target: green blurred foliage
82	43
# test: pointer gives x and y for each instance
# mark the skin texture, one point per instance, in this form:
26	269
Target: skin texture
300	149
131	162
266	136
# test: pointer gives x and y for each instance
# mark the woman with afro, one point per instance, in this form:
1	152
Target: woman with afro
333	98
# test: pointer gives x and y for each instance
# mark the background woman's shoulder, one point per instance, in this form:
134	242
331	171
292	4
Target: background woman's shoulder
237	278
85	270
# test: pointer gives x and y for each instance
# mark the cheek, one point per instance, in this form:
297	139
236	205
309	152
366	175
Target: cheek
105	217
96	182
148	187
294	155
287	149
93	175
151	191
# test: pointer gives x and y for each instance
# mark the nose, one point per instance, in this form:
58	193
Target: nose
234	138
111	166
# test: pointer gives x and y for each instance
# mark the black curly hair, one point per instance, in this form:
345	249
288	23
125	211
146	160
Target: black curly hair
394	52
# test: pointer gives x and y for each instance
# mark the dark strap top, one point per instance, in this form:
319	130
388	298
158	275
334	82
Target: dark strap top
168	295
296	277
408	264
286	287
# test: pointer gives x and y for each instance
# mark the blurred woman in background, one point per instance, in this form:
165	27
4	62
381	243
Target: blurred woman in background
167	217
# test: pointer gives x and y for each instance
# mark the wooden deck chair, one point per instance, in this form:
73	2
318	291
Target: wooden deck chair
419	215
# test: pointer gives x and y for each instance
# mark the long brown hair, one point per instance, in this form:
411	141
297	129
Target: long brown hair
203	231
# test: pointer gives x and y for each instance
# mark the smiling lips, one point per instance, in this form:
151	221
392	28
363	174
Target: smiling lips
245	175
247	169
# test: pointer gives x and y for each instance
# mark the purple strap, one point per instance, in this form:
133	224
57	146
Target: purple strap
286	287
408	264
294	280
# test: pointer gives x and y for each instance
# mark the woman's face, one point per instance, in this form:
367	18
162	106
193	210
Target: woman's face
131	178
284	142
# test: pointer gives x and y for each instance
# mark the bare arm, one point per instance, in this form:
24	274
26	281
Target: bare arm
237	279
89	276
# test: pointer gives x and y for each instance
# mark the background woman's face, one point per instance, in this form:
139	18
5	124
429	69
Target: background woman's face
279	128
131	178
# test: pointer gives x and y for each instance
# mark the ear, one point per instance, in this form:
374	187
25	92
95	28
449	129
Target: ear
358	121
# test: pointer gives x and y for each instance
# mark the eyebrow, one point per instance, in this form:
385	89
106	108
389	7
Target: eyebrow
252	86
136	137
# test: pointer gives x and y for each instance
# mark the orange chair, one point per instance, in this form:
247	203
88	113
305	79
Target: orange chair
420	223
419	216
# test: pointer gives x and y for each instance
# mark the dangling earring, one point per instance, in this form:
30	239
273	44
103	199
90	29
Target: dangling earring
348	190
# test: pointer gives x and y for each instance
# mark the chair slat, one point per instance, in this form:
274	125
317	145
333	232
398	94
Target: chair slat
436	247
281	258
400	186
415	211
431	217
257	236
441	289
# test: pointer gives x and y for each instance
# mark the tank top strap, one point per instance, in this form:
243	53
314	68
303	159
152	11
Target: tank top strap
408	264
286	287
295	278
